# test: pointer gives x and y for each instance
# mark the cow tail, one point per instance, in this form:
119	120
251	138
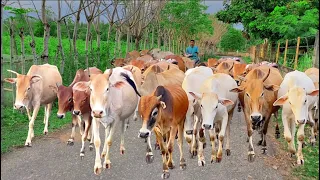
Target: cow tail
132	84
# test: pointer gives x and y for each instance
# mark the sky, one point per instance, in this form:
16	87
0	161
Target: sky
213	7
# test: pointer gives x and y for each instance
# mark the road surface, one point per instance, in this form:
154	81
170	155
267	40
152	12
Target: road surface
51	159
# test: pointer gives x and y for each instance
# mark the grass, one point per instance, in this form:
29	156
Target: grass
14	126
310	170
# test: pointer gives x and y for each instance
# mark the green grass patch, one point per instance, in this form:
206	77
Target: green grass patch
14	126
310	170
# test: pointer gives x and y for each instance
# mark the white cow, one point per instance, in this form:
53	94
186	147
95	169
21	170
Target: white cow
113	99
297	95
192	82
217	104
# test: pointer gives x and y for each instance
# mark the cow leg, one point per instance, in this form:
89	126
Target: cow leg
73	130
230	115
180	143
239	106
221	137
264	134
277	130
97	142
202	140
212	134
85	134
123	129
173	133
300	141
31	124
251	154
194	147
80	124
29	115
149	155
46	117
104	151
90	134
164	150
312	124
107	162
291	145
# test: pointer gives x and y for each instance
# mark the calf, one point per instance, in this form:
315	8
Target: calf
119	62
164	111
257	94
217	105
32	91
297	95
113	99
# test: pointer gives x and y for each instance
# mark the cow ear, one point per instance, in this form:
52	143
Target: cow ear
237	89
281	101
195	95
163	104
271	87
10	80
314	93
54	88
35	79
81	86
225	102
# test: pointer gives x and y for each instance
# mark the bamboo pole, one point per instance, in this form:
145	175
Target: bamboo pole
285	54
11	55
21	34
278	50
297	54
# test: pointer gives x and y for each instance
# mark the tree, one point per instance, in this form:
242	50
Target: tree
232	40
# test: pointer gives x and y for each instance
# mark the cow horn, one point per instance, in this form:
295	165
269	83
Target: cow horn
13	72
168	67
159	97
231	66
131	68
266	75
213	68
112	60
242	78
110	72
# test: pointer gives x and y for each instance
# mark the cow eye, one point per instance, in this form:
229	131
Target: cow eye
193	113
247	94
28	89
201	106
90	89
262	94
70	99
107	89
216	106
155	113
305	101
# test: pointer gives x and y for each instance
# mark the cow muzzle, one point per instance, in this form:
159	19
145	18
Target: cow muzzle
144	134
256	119
18	106
189	132
76	112
301	121
207	126
238	82
97	113
60	116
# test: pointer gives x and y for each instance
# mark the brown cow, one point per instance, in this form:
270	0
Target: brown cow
139	64
132	55
164	111
32	91
81	107
212	62
225	67
144	52
257	95
179	60
188	63
65	101
119	62
145	58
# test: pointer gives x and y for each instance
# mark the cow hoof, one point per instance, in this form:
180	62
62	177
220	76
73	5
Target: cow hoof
300	161
107	165
194	153
264	150
70	142
292	155
171	165
156	147
45	132
183	166
204	145
247	139
149	158
97	169
145	140
91	146
251	157
228	152
121	152
165	175
103	154
201	163
218	159
239	109
28	144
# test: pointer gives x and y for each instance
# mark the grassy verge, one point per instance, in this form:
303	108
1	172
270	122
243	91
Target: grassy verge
14	127
310	170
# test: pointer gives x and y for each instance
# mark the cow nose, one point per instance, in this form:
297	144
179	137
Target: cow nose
97	113
207	126
189	132
144	135
76	112
301	121
60	116
238	82
18	106
256	118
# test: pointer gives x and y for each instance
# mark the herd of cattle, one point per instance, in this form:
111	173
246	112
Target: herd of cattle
173	97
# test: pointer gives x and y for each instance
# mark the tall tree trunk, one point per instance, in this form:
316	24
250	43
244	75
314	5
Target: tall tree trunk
108	38
12	56
69	37
115	44
75	33
119	44
2	91
131	43
128	41
98	39
137	42
21	34
59	38
87	44
152	38
159	38
46	34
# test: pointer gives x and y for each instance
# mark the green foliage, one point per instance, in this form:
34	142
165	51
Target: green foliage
233	40
273	19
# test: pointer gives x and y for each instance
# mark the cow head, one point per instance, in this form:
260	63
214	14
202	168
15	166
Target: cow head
224	67
26	86
239	70
254	91
65	99
149	108
210	104
297	98
81	99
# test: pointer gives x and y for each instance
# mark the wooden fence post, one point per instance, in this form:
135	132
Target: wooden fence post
11	56
315	57
21	34
278	51
285	54
297	54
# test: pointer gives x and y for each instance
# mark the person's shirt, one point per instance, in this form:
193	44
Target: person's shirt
193	51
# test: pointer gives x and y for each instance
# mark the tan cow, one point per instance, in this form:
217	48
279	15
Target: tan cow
188	63
313	73
297	95
157	54
113	99
132	55
225	67
139	64
32	91
144	52
257	94
119	62
212	62
145	58
163	112
179	61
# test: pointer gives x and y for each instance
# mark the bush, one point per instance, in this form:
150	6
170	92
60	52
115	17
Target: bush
233	40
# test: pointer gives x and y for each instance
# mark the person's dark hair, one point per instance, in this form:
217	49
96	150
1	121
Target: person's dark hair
191	40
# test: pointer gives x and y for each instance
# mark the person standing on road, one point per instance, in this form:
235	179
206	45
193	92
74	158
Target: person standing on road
192	52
